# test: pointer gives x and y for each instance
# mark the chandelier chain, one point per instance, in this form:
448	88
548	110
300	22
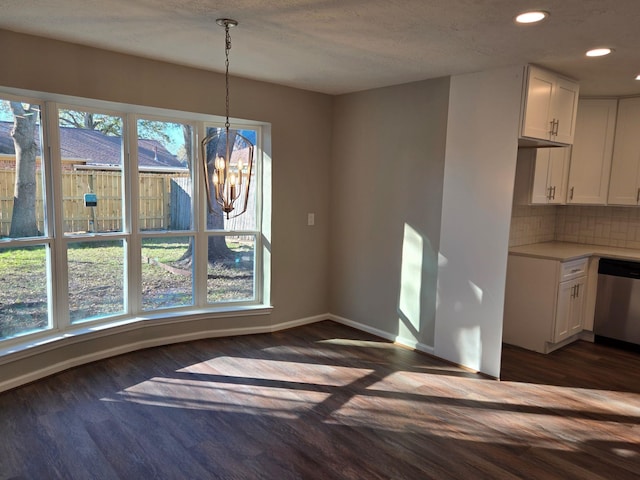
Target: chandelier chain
227	184
226	75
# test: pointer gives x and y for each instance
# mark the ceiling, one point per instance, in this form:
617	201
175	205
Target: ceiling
340	46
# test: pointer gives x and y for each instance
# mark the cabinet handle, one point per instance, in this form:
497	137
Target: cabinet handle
577	290
573	292
548	193
557	125
553	124
553	195
638	196
571	193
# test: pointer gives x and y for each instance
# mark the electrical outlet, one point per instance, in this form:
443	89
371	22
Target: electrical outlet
311	219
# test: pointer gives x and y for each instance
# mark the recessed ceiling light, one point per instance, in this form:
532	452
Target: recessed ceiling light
532	17
638	77
599	52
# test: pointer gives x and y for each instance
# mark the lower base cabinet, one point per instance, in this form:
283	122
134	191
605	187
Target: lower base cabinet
544	302
570	309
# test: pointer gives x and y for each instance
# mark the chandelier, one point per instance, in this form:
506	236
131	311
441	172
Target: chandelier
227	156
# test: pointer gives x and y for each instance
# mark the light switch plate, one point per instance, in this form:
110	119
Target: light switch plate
311	219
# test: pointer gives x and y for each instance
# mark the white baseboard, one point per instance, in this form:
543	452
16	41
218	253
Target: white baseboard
413	344
300	322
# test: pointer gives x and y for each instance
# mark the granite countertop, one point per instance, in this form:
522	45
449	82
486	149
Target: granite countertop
564	251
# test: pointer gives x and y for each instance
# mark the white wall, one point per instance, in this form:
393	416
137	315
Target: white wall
386	198
479	172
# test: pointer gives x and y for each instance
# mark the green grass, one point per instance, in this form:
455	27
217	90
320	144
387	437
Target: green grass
96	281
21	259
165	250
23	297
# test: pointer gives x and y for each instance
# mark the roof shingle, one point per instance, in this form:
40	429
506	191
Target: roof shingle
95	148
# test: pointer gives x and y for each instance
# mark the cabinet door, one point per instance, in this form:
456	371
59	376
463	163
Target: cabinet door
563	311
591	152
540	188
550	174
559	159
625	166
565	107
570	309
537	118
578	303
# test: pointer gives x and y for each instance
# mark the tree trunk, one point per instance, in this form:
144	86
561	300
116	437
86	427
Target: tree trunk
217	245
88	121
218	250
23	220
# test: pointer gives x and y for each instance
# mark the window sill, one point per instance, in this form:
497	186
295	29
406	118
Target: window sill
51	340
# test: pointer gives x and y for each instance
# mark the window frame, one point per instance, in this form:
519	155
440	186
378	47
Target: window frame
257	233
57	241
47	238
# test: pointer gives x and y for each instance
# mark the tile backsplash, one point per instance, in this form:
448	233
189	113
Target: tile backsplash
532	224
611	226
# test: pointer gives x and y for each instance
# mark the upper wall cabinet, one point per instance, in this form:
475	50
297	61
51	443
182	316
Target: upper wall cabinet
591	152
550	107
541	176
550	176
624	187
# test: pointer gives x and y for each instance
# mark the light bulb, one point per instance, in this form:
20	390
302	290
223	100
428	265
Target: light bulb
599	52
532	17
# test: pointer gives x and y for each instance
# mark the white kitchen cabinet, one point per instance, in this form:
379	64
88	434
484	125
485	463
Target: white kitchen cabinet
570	309
624	186
592	152
550	107
550	177
544	302
541	175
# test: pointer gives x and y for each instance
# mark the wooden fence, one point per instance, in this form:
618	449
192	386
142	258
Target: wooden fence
164	201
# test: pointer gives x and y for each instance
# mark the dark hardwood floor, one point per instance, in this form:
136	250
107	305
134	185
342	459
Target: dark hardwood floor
326	402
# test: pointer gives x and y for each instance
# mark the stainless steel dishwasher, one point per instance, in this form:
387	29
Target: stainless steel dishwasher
617	316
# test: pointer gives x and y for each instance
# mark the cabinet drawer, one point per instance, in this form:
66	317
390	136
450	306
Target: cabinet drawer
573	269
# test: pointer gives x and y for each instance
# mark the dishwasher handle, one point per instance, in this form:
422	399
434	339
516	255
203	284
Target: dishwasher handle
619	268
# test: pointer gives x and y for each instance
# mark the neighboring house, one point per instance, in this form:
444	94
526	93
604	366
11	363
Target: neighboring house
81	147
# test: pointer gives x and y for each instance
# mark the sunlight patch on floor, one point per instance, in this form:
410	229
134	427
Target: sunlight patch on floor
278	371
221	397
462	419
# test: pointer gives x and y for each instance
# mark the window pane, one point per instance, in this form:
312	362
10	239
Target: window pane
231	269
91	153
164	160
167	272
22	212
247	220
24	303
96	279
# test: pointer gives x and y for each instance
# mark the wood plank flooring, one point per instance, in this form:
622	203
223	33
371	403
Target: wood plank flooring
324	401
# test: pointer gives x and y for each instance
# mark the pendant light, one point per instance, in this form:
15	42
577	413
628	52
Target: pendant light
227	156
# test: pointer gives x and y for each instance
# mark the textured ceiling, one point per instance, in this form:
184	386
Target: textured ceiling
339	46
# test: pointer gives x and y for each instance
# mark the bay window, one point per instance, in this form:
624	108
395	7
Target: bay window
103	219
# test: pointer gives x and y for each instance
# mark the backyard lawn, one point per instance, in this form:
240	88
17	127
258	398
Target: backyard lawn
97	280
